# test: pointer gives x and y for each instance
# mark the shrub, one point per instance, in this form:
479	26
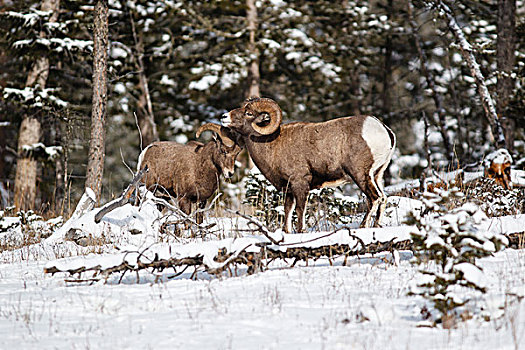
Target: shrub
326	206
449	241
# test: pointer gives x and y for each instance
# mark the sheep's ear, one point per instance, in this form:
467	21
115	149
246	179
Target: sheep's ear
263	118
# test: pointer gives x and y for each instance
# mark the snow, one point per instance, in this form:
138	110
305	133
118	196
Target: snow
289	13
117	52
363	305
166	80
500	156
296	36
35	96
30	19
119	88
271	44
59	44
51	151
472	274
204	83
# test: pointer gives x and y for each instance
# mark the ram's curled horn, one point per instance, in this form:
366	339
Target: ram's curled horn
219	130
269	108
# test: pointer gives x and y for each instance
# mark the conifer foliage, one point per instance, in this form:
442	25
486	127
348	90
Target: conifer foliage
447	245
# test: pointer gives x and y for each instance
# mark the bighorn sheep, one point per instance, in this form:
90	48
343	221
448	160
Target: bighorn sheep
190	172
497	166
299	157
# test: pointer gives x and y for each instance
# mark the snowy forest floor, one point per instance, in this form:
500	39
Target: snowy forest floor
360	306
324	304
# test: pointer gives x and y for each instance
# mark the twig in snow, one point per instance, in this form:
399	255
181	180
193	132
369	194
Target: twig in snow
263	229
124	197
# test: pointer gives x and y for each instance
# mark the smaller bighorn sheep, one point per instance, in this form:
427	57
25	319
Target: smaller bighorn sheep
299	157
190	172
497	166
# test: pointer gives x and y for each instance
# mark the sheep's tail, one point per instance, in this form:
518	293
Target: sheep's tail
392	143
141	158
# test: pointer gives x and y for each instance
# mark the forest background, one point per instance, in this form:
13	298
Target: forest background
174	65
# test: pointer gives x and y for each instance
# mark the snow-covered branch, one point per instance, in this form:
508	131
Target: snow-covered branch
468	54
35	97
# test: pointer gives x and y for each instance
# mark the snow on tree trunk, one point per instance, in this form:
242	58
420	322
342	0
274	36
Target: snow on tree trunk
95	167
505	47
85	204
30	128
468	54
254	76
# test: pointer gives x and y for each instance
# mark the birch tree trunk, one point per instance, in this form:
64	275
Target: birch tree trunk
95	168
468	54
505	52
30	128
254	76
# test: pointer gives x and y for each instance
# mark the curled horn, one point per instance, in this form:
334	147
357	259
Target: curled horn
273	112
219	130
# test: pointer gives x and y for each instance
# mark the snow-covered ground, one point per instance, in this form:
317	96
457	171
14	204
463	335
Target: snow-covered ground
361	306
364	305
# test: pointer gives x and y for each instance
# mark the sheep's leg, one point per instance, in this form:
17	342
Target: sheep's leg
185	206
200	215
381	211
300	209
373	195
383	198
289	206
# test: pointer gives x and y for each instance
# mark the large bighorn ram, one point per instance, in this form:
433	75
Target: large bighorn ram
190	172
299	157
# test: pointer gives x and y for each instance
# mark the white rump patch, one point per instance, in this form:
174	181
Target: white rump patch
379	143
226	119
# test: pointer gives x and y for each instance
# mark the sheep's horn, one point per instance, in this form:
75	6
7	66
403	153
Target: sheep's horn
219	130
274	111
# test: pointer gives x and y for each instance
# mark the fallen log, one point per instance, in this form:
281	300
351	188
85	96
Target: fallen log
254	252
248	251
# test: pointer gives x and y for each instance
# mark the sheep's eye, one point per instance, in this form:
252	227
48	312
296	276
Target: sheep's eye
248	114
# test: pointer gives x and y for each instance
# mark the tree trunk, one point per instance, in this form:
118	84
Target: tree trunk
145	116
60	184
440	111
505	47
30	128
254	76
468	54
95	168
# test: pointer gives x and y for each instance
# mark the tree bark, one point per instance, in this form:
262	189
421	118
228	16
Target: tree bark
505	48
30	128
95	168
468	54
254	76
